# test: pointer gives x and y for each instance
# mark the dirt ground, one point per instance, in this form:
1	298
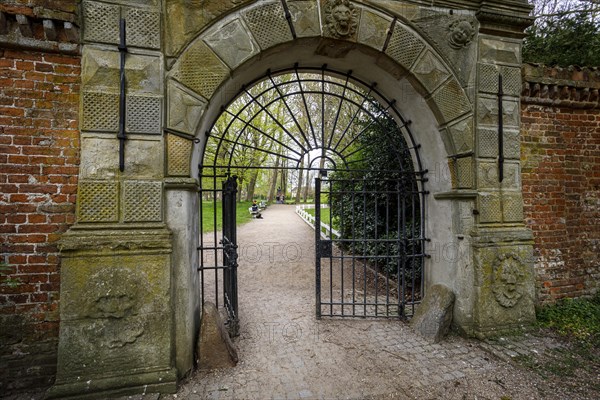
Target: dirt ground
286	353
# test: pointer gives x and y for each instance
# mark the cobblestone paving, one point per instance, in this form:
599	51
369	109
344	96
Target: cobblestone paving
286	353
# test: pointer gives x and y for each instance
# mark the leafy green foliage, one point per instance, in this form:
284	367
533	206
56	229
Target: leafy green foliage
366	203
563	40
576	318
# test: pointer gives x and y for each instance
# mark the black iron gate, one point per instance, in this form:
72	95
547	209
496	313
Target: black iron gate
370	247
218	254
230	256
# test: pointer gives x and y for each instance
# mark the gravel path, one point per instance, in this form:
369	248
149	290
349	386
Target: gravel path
285	353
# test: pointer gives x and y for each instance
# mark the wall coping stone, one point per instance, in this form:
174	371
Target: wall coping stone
573	86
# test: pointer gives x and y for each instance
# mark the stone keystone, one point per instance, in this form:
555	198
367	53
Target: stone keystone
433	317
215	349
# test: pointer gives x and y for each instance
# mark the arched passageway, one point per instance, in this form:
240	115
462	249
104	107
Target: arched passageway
184	61
367	176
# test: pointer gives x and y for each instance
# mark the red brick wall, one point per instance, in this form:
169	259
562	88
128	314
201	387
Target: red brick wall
560	154
39	158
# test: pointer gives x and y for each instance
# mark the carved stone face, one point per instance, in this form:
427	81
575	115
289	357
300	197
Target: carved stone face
507	282
341	18
461	34
342	15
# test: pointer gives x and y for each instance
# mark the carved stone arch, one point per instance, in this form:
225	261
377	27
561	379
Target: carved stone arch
218	51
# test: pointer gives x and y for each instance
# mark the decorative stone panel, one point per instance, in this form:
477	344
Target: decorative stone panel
489	207
487	176
143	28
453	37
504	281
184	109
488	79
464	172
461	134
451	101
404	46
305	18
179	153
488	143
200	69
142	201
373	29
487	112
512	207
232	42
100	112
143	114
98	201
99	157
268	25
101	22
499	51
101	69
430	71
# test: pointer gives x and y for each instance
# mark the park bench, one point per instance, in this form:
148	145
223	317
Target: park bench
253	213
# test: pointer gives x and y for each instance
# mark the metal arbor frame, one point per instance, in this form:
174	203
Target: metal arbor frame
290	119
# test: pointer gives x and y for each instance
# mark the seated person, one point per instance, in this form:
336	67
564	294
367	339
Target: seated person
255	209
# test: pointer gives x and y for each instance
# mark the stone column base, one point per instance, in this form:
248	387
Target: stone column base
116	330
504	290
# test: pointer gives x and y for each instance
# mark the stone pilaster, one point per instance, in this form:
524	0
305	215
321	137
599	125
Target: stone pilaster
502	245
117	326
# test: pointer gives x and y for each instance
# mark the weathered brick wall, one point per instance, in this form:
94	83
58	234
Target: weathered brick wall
560	154
39	158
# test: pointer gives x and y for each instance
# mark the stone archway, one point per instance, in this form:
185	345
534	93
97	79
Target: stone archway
440	64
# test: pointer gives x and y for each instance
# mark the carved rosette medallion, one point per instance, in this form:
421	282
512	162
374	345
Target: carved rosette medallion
341	18
507	279
460	33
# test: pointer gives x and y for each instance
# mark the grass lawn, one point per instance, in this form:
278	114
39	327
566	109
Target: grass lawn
325	214
242	214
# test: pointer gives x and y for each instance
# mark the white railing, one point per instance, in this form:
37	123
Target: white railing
326	231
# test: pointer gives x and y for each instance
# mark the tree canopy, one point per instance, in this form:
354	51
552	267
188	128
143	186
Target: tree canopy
566	32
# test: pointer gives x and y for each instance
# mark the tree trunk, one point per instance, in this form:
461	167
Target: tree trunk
299	189
284	173
239	190
273	185
307	186
252	184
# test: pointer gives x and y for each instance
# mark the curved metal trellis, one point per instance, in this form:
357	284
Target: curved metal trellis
321	119
306	109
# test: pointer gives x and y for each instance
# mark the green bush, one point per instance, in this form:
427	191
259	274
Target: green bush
576	318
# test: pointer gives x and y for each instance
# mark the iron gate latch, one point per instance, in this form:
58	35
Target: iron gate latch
324	248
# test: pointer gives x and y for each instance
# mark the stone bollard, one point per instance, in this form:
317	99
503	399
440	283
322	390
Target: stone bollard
215	348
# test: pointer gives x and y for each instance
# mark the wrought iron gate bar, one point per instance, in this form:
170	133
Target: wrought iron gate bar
374	296
380	252
339	109
312	129
248	123
291	113
263	108
268	167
